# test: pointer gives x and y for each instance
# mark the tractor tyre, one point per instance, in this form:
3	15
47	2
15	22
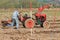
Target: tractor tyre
29	23
46	24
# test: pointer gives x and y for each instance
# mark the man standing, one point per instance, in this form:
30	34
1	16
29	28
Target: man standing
15	19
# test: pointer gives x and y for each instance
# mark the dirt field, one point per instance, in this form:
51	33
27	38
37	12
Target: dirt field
25	34
37	33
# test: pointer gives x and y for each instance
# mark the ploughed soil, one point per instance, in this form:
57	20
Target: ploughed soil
30	34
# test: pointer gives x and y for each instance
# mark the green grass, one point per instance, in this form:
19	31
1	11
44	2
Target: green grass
25	3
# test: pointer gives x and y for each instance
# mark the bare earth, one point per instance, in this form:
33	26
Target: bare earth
25	34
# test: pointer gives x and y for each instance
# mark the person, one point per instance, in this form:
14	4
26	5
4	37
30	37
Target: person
15	19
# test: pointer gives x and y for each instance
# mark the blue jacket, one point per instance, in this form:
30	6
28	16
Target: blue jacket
15	14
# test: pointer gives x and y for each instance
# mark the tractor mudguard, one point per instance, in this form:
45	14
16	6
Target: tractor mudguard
43	15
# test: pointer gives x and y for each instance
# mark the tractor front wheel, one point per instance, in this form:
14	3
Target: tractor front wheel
46	24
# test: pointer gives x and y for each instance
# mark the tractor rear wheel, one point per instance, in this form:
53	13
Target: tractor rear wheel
29	23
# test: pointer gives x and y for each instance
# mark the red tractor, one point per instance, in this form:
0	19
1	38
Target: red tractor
28	21
40	17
